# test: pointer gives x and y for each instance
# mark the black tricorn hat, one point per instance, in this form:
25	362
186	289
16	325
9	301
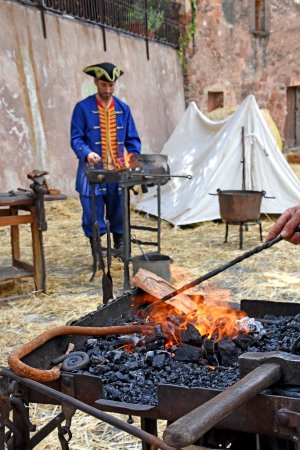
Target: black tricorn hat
104	71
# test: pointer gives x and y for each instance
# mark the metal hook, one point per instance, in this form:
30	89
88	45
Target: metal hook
64	441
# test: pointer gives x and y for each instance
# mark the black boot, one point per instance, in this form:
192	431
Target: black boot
118	241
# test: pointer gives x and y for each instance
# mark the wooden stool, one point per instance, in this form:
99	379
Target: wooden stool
241	225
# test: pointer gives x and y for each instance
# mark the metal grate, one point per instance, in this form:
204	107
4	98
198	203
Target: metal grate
153	19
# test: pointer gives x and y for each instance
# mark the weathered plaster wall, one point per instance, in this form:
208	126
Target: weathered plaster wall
228	57
42	79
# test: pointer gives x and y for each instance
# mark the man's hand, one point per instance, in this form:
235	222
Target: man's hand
93	158
286	225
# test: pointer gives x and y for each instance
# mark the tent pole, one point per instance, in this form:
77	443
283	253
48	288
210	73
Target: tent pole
243	160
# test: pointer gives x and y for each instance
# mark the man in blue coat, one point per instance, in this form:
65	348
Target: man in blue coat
102	127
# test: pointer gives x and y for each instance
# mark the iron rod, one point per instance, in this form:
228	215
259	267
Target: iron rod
126	235
159	217
159	175
42	9
243	161
46	430
142	227
101	415
139	242
220	269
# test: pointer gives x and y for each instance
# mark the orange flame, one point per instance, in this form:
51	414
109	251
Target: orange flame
213	317
128	161
215	321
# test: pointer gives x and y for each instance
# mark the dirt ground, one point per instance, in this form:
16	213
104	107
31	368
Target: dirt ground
273	274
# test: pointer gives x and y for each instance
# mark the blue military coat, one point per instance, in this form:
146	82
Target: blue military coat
86	136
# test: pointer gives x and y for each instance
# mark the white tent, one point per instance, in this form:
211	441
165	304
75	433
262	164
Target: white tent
212	152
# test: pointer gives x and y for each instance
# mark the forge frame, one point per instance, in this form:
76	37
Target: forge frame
258	416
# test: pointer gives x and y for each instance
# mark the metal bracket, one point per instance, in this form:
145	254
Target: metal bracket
68	388
19	427
4	410
40	188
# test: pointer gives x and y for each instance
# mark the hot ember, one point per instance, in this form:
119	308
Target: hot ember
211	320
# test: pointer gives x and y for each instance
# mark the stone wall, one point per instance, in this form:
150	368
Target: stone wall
226	56
42	79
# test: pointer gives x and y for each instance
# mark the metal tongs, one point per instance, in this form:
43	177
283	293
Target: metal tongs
98	260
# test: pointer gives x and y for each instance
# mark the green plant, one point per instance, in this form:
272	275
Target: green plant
136	15
190	32
155	19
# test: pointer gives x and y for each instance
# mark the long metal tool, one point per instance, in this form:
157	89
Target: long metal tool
220	269
159	175
106	281
98	260
94	236
108	259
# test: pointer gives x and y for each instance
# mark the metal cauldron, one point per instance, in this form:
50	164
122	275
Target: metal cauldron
240	206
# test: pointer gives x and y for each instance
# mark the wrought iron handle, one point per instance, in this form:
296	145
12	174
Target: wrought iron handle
159	175
220	269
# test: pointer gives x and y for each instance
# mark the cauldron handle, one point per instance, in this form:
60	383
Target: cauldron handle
218	192
263	193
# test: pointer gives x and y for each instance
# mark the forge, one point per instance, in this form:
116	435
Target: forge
144	171
240	392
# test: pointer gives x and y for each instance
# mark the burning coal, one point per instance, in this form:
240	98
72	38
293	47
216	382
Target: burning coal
201	350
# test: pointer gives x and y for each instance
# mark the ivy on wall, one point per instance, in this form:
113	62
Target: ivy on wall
188	35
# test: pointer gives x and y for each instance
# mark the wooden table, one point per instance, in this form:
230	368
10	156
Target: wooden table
10	206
